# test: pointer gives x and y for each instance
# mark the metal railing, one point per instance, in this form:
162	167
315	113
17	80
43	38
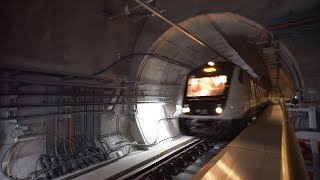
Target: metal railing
292	163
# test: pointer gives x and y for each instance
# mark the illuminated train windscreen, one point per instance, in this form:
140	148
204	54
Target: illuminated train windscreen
206	86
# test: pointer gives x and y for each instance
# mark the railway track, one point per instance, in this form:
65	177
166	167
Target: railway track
180	164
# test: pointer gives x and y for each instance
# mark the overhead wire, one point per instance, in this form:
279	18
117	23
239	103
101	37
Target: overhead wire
162	57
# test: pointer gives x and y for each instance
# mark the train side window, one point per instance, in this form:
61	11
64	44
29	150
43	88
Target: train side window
252	89
257	90
241	76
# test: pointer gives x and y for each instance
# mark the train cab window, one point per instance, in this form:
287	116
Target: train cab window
206	86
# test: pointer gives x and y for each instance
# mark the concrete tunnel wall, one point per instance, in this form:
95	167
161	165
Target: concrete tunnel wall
156	76
69	38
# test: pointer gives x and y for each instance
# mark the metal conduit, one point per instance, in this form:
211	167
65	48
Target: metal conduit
51	83
77	104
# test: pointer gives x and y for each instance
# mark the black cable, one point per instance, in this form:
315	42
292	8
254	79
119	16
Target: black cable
102	144
120	147
54	166
144	137
129	150
105	143
51	168
80	148
144	54
155	142
4	173
112	150
168	138
63	161
35	168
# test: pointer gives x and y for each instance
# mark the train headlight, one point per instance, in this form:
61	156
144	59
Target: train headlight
218	110
185	110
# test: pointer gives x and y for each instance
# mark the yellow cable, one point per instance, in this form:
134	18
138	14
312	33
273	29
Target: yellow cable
8	164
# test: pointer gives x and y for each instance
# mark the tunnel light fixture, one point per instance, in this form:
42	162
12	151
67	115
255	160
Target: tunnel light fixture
148	120
210	69
218	110
210	63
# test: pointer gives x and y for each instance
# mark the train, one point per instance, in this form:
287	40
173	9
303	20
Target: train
219	95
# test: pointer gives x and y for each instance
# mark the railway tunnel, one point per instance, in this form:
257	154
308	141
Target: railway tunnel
90	89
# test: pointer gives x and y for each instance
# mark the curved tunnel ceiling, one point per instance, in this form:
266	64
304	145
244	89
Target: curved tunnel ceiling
234	36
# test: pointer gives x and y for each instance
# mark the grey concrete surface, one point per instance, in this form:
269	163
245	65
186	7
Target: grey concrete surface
69	37
65	36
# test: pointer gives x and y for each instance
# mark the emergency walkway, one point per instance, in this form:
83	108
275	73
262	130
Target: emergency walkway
267	149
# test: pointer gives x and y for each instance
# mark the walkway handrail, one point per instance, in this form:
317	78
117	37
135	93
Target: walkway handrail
292	163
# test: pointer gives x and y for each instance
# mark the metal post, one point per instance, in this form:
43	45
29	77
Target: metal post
309	135
312	117
184	31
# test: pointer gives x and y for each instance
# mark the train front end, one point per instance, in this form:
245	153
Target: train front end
205	95
206	91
